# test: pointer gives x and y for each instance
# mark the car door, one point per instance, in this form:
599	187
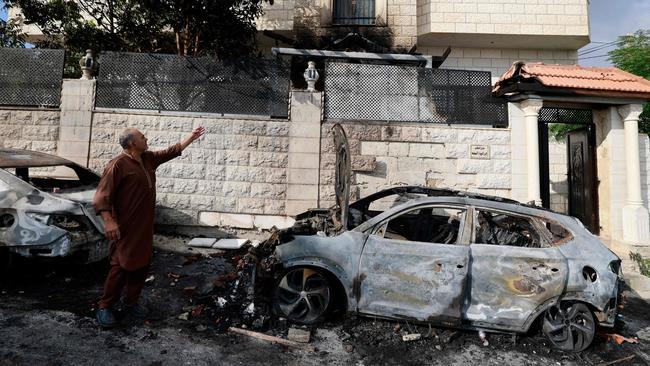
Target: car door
513	270
414	265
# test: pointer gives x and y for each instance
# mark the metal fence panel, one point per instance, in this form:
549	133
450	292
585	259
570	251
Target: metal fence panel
565	115
31	77
411	94
176	83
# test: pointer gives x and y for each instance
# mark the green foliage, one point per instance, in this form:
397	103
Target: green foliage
222	28
632	54
643	263
559	131
10	33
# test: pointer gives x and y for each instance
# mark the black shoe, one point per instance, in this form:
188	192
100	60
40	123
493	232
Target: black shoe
105	318
137	311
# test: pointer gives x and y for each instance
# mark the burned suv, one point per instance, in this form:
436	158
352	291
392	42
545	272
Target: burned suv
46	208
445	257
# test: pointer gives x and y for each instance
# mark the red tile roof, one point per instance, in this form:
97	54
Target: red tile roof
577	77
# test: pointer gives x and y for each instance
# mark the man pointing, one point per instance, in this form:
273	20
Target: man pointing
126	198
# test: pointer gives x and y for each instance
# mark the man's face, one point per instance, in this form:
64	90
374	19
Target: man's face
139	141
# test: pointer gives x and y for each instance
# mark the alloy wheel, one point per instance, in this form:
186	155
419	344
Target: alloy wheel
303	295
569	326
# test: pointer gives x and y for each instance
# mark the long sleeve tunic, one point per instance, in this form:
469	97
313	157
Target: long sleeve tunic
127	189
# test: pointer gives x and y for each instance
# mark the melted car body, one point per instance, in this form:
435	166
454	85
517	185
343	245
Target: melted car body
46	208
453	259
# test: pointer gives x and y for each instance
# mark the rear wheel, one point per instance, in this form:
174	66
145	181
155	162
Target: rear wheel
303	295
570	326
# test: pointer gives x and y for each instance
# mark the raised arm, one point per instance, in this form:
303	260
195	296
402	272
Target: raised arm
173	151
193	136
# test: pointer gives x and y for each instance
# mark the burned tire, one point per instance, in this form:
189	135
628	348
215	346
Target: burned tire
303	295
569	326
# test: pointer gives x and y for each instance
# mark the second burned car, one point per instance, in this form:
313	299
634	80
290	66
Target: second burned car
46	209
448	258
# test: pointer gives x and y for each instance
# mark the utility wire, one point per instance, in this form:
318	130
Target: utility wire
597	48
587	58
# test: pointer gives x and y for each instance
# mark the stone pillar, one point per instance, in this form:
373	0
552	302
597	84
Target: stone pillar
531	109
77	100
636	221
304	152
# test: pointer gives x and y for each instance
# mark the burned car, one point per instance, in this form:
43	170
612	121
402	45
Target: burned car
46	208
445	257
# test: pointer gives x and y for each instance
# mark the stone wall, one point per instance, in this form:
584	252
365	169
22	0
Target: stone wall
457	157
557	171
31	129
238	168
540	17
499	60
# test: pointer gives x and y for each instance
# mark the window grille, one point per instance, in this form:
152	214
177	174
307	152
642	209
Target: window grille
354	12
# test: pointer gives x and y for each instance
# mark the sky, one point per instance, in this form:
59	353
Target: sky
608	19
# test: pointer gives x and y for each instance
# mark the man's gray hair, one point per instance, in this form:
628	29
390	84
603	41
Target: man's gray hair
126	137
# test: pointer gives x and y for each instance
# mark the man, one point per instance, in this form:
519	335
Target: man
126	198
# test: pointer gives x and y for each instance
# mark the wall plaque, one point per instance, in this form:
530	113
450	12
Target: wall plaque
479	151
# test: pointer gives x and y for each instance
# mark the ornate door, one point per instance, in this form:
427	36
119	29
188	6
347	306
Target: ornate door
583	190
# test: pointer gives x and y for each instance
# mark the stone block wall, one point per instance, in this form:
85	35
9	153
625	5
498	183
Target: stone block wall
559	181
239	167
278	16
499	60
540	17
30	129
383	155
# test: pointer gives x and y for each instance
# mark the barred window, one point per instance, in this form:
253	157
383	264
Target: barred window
354	12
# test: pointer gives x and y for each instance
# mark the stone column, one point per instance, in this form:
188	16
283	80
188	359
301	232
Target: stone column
304	152
77	101
636	221
531	109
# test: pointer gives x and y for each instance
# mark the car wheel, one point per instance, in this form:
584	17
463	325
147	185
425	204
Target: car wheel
303	295
570	326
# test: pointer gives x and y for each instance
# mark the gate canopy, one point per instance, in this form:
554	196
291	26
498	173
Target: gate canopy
576	80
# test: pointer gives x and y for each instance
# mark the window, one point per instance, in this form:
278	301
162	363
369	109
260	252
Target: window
58	178
503	229
426	224
354	12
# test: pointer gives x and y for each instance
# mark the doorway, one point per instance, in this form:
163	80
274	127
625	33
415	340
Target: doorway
569	185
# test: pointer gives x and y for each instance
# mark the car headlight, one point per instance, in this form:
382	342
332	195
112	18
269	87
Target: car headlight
62	221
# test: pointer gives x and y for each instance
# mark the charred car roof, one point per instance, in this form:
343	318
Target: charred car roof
16	158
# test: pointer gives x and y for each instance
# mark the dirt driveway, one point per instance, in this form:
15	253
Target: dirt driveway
46	318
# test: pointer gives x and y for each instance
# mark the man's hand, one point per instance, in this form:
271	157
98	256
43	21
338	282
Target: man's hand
193	136
111	228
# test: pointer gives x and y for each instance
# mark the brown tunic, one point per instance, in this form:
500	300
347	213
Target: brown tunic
128	189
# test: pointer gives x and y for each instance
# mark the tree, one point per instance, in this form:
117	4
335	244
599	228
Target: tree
632	54
10	33
222	28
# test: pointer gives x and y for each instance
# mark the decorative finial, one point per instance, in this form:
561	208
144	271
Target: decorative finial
88	65
311	76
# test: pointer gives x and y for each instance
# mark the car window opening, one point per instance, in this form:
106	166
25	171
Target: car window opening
428	225
59	178
501	229
378	206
